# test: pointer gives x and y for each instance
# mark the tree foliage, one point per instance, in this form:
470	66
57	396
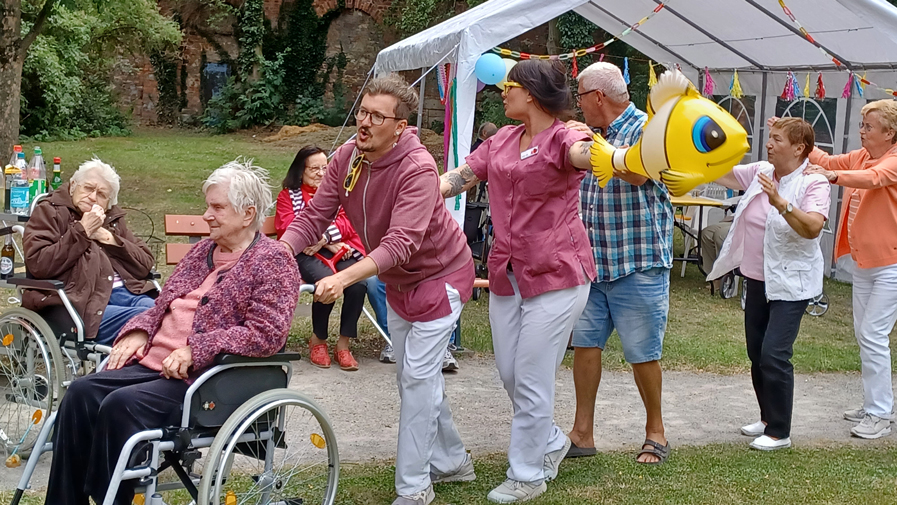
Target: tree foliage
66	78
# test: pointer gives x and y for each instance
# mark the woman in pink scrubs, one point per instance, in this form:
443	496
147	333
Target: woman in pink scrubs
540	265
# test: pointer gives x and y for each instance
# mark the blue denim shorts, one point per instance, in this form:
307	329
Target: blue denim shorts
636	306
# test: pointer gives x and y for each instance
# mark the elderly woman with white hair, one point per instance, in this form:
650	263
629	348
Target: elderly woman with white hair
78	235
233	293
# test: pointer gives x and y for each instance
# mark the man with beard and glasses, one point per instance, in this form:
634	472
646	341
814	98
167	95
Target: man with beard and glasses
388	185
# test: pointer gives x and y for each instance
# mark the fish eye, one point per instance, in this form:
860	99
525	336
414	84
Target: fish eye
707	135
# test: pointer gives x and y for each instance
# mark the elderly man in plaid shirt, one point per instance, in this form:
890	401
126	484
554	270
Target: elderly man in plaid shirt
630	226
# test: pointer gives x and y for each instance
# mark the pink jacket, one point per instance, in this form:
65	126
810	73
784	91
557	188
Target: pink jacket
400	215
248	311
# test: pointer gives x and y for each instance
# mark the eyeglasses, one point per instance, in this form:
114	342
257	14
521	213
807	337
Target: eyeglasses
865	127
316	170
578	96
510	84
377	119
354	173
91	188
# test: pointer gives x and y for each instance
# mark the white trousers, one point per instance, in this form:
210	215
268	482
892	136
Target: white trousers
874	315
428	440
530	337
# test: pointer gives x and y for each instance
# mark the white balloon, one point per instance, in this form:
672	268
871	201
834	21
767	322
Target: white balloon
509	64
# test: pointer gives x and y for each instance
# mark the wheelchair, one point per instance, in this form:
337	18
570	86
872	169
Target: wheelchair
243	437
41	354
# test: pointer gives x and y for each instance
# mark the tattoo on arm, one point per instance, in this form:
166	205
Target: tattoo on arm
586	146
459	180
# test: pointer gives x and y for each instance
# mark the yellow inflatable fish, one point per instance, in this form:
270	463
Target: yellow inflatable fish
688	140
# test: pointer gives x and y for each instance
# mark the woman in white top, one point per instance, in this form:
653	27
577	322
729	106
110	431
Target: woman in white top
774	241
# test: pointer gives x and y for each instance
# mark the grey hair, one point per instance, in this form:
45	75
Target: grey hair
106	172
606	78
247	186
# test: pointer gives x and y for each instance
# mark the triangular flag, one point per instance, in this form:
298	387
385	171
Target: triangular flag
626	70
846	92
709	85
820	88
807	86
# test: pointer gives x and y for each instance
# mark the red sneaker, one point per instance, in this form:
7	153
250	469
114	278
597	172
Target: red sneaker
319	356
346	361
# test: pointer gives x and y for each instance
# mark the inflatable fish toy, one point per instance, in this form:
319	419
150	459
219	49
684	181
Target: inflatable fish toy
687	141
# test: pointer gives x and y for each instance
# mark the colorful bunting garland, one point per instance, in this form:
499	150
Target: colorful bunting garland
820	88
735	88
626	70
578	53
652	76
709	85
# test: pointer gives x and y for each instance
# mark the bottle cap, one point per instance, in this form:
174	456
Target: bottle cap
57	160
20	154
37	151
17	149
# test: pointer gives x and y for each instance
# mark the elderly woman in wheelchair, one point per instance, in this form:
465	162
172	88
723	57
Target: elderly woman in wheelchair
78	235
233	294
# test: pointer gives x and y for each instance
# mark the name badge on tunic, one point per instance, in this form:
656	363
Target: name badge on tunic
529	152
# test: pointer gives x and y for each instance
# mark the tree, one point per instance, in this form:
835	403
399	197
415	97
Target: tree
110	27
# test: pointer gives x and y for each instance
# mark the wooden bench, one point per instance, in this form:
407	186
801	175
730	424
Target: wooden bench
196	229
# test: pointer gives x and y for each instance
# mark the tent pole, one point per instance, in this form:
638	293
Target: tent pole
420	101
758	138
797	32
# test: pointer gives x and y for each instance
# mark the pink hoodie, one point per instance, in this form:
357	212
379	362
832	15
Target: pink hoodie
400	215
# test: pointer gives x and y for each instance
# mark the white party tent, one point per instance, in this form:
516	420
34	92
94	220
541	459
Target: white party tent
754	37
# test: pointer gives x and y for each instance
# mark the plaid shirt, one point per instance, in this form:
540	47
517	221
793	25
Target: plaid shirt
630	227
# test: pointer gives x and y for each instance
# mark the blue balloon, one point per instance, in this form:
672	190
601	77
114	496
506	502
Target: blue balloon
490	68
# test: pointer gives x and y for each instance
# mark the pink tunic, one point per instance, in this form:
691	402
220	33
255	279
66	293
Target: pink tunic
534	198
177	324
816	199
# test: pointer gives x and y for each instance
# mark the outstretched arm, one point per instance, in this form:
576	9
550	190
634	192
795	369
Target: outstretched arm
580	155
457	181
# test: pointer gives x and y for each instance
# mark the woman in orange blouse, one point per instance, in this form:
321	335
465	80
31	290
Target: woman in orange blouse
867	236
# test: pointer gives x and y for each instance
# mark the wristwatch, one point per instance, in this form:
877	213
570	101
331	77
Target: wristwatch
788	208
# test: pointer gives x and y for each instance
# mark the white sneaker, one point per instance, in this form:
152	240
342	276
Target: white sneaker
424	497
857	415
513	491
553	459
464	473
753	430
764	443
387	355
872	427
449	363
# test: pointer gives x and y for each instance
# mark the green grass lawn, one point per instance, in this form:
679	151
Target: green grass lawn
717	474
162	171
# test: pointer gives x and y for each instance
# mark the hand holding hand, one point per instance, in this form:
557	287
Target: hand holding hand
328	289
769	187
125	348
178	363
104	236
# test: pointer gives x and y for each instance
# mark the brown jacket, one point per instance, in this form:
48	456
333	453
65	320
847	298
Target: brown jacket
57	247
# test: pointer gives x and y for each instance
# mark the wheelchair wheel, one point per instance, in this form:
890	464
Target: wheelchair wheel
818	306
31	371
278	447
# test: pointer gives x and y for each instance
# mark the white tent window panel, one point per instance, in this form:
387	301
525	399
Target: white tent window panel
819	113
742	109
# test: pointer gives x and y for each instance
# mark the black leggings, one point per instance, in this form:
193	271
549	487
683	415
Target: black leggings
313	270
770	329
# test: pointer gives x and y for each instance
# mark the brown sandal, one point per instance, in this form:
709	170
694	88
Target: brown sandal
662	452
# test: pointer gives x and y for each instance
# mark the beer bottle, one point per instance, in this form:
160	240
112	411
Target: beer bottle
7	259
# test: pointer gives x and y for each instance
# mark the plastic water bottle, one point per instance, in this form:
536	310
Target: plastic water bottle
15	155
19	189
37	175
57	173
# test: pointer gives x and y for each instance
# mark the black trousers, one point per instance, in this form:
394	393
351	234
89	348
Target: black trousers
770	328
312	270
97	416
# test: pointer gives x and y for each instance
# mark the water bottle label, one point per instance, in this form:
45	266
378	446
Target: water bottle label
18	197
5	265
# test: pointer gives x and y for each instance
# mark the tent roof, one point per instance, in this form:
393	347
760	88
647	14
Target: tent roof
719	34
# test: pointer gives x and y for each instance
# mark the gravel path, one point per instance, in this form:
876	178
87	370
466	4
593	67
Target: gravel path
699	408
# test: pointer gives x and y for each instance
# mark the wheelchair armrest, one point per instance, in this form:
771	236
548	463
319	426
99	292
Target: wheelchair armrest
42	284
230	359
